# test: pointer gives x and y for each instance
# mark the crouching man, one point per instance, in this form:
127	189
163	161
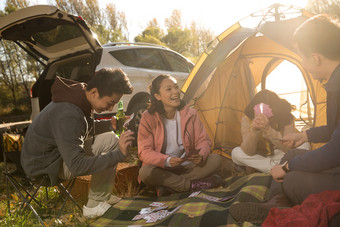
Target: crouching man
62	143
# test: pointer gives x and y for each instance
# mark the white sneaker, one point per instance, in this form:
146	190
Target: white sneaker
97	211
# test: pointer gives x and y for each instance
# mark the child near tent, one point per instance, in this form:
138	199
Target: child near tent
173	144
301	172
267	119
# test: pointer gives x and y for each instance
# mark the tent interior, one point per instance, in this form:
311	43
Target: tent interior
244	60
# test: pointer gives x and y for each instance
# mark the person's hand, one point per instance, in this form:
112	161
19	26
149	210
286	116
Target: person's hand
174	162
278	173
114	122
196	158
125	140
293	140
260	122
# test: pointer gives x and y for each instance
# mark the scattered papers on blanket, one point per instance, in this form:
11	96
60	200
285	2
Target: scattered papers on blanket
194	194
157	204
211	198
149	210
216	199
150	214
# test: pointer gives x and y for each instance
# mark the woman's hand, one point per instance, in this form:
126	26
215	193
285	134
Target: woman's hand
278	173
196	158
174	162
125	140
260	122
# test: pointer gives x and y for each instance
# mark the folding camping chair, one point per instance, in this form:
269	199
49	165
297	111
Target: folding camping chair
26	187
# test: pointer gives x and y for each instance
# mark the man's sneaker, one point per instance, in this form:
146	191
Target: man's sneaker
113	200
97	211
256	213
206	183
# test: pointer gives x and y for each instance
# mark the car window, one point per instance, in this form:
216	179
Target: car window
58	34
146	58
178	63
126	57
151	59
78	69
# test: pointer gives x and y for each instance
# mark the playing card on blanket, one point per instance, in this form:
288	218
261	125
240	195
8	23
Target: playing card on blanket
159	208
176	209
151	218
145	210
211	198
139	216
227	198
194	194
156	204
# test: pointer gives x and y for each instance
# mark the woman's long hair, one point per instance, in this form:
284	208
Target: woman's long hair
281	109
156	105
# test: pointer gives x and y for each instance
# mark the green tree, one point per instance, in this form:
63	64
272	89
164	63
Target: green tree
152	34
14	63
200	39
109	25
189	42
177	39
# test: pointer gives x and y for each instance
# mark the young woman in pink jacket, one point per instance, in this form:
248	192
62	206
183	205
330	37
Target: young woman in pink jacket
173	144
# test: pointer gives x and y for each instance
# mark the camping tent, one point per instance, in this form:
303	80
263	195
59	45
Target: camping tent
237	63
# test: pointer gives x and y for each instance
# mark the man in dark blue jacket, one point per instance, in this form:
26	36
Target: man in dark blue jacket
304	172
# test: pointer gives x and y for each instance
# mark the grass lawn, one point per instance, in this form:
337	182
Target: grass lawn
125	186
71	215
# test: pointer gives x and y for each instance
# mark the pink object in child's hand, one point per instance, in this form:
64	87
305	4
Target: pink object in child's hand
263	108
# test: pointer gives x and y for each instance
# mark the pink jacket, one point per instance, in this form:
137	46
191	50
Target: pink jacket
151	136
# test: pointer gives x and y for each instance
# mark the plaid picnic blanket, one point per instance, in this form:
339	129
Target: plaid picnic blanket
192	211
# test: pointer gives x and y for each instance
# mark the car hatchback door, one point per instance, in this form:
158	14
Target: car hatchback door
49	33
61	42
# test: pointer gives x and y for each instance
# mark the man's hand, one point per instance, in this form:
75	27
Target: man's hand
293	140
114	122
278	173
260	122
174	162
125	140
196	158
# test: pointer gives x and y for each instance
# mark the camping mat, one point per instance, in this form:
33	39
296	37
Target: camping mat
193	211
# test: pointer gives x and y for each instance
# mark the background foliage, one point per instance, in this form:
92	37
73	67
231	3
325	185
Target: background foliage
18	71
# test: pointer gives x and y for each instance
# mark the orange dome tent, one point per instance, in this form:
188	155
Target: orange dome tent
237	63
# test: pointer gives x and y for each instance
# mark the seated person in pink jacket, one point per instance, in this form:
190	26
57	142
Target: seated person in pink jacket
173	144
267	119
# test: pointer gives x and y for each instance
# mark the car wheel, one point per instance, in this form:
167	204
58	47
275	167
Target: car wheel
137	110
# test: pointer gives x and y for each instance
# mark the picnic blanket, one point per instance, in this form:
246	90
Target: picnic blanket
192	211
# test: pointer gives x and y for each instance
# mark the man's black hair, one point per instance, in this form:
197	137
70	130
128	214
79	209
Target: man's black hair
109	81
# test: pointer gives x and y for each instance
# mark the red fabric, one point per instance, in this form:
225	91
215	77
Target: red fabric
315	210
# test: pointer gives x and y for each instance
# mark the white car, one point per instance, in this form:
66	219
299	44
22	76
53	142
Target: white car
143	62
65	45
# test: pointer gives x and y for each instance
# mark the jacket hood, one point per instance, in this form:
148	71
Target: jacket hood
64	90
